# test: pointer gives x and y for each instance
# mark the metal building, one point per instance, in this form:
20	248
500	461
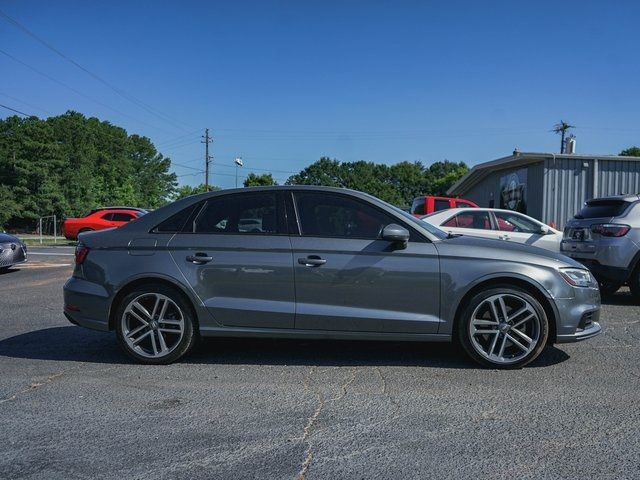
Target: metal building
547	186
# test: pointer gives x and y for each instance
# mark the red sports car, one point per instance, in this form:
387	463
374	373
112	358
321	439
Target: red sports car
99	219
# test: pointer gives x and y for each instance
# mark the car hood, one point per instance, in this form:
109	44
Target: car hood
6	238
475	247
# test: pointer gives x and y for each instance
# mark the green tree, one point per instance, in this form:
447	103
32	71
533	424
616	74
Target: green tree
398	184
444	174
631	152
187	190
69	164
262	180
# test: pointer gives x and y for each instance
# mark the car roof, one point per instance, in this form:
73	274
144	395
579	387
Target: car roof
624	197
101	209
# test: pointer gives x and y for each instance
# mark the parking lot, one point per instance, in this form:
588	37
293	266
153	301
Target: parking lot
73	406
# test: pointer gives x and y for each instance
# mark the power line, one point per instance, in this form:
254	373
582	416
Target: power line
14	110
25	103
122	93
77	92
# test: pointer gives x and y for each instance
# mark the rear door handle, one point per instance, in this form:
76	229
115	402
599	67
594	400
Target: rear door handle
505	237
199	258
312	261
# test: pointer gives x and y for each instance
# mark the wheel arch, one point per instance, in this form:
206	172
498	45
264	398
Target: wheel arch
131	285
531	287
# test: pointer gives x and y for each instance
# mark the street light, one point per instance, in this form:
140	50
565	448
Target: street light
238	162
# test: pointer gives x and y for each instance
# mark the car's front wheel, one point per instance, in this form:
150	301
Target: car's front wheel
155	325
503	327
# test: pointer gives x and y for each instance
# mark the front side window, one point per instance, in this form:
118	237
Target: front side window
512	222
239	214
477	220
441	205
323	215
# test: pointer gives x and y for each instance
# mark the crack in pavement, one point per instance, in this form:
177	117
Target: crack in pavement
308	429
49	379
33	386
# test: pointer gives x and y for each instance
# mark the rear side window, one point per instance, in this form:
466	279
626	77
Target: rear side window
602	208
177	222
107	216
324	215
477	220
417	208
239	214
463	205
441	205
122	217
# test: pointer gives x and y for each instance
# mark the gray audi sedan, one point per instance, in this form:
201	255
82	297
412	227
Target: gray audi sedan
319	262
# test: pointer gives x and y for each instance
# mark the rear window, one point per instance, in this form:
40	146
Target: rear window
417	208
602	208
441	205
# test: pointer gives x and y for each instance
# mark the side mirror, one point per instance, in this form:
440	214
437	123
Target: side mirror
544	230
396	234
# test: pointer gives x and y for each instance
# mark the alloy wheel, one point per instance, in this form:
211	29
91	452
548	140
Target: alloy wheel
152	325
504	328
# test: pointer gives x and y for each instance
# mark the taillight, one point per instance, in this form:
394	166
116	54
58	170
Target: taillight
610	229
81	253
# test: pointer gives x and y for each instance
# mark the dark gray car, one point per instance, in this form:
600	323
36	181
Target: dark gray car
12	251
323	263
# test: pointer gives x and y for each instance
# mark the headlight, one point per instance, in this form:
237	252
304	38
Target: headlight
576	277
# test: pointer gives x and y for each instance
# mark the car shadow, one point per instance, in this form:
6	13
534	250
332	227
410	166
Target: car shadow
7	271
81	345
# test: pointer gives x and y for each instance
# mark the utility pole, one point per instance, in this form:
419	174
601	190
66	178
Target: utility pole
207	158
562	128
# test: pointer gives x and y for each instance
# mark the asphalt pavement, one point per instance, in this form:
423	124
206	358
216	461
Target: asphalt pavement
73	406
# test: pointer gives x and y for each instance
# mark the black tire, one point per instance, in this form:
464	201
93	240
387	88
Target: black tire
465	318
608	289
189	335
634	285
83	230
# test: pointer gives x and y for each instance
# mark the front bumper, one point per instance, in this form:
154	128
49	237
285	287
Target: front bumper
578	317
584	334
12	254
86	304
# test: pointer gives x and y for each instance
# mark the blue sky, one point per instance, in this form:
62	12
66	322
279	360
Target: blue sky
283	83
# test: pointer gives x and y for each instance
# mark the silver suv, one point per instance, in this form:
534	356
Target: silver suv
605	237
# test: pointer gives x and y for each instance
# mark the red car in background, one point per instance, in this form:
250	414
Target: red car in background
429	204
99	219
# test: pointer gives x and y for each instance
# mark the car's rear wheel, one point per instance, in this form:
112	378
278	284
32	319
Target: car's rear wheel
607	288
155	325
503	327
83	230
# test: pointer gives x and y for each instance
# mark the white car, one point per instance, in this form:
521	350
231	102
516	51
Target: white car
498	224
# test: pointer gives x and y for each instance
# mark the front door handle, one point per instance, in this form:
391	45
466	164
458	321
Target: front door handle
312	261
505	237
199	258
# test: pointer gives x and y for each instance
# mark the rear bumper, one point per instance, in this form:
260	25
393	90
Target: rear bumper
605	273
86	304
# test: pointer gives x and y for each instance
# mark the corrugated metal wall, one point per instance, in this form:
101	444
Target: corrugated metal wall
618	176
482	192
568	183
